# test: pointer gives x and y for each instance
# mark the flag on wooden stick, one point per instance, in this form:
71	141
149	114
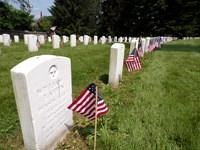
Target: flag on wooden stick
86	102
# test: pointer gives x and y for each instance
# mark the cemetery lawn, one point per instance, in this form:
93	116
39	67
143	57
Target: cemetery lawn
155	108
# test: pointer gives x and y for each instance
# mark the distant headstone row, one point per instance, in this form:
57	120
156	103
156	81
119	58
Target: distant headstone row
33	42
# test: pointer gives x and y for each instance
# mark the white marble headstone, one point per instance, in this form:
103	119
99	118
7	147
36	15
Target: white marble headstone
120	40
95	39
65	39
32	43
137	42
6	40
55	41
41	39
109	39
16	38
116	63
132	45
147	44
143	46
26	39
125	39
85	39
73	40
129	39
80	38
115	39
49	39
103	40
43	90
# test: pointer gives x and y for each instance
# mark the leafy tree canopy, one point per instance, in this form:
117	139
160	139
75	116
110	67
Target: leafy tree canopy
75	16
14	19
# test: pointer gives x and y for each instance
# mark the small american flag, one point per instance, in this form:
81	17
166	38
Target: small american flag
133	61
85	103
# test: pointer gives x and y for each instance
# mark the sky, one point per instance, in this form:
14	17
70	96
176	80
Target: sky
41	5
38	6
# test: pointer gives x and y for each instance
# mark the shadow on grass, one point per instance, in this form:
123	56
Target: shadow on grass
104	78
180	48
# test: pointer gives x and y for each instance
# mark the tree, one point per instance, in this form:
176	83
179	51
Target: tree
150	17
14	19
128	18
75	16
44	23
24	5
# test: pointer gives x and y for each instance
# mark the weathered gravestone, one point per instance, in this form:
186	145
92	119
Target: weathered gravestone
43	89
85	39
73	40
55	41
116	64
32	43
95	39
6	40
16	38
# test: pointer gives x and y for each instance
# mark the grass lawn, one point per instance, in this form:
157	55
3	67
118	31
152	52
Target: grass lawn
155	108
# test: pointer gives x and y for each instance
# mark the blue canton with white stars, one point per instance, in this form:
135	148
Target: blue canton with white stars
92	89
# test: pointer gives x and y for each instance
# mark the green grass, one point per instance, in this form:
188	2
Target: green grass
155	108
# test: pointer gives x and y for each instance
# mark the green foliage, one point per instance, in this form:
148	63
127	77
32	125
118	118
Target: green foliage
155	108
130	17
14	19
155	17
75	16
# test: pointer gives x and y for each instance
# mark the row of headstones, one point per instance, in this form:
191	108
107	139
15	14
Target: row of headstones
148	44
34	41
117	55
43	89
191	38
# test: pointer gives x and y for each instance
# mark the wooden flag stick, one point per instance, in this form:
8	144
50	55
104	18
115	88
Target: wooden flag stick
95	127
